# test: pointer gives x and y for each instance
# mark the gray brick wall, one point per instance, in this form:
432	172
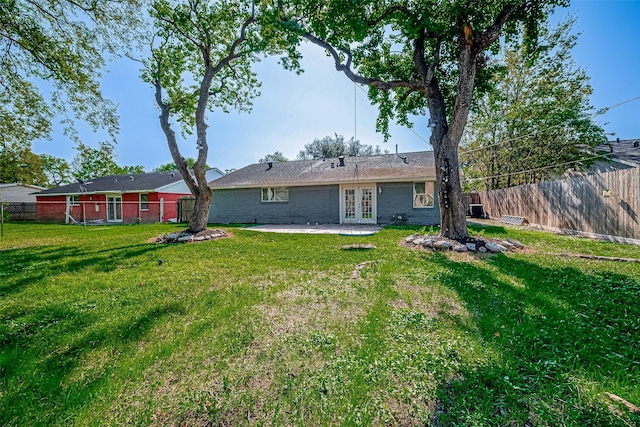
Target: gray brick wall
319	204
397	198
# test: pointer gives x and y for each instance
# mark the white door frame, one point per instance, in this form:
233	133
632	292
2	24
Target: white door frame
359	190
115	203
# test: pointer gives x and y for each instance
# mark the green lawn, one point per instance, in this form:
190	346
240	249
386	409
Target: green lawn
270	329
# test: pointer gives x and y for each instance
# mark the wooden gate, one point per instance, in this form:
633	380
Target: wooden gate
185	208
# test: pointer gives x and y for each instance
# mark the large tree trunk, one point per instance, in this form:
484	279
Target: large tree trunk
453	217
200	216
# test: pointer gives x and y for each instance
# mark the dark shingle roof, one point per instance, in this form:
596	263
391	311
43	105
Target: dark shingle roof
385	167
144	182
624	150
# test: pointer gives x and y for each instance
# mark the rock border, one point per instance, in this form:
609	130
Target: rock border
470	244
186	237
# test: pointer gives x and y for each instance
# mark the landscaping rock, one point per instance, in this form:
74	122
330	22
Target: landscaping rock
460	248
172	237
482	250
508	245
442	245
471	246
184	238
494	247
515	243
427	243
411	238
418	241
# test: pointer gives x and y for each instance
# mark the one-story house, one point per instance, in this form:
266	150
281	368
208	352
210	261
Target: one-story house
146	198
623	153
18	200
18	193
381	189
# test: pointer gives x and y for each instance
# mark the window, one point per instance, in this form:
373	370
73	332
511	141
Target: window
144	201
423	194
275	194
74	200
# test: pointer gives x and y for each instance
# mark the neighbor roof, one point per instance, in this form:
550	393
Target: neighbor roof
386	167
136	182
624	151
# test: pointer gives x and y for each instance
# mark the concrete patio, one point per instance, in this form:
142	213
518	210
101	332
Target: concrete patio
353	229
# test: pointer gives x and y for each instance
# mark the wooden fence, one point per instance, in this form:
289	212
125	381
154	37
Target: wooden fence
185	208
604	203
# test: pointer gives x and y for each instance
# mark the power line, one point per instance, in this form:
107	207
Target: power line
534	169
597	113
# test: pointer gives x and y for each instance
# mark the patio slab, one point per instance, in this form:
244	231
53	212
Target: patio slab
354	229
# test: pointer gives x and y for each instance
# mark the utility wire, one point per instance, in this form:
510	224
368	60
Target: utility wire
533	169
597	113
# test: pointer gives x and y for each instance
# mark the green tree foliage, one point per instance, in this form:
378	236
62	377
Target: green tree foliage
63	43
418	57
171	166
337	146
96	162
56	170
201	61
276	156
19	164
535	124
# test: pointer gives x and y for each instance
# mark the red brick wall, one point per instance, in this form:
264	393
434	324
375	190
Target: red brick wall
94	207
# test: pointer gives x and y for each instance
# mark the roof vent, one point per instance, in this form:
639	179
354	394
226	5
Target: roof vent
130	178
617	139
341	159
270	164
636	143
333	165
171	174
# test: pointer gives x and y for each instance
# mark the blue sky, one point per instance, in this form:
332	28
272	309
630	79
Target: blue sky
295	109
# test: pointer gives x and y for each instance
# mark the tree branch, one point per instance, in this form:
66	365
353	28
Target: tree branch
346	68
242	37
491	33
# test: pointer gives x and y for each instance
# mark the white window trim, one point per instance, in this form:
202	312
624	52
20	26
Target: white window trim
140	202
273	189
73	202
415	195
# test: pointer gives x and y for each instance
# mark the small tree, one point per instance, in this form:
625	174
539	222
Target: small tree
416	57
172	166
56	170
337	146
96	162
201	61
19	164
276	156
535	124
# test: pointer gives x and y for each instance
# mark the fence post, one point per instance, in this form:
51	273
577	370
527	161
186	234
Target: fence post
1	219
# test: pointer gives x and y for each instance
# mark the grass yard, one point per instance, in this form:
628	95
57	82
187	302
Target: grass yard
270	329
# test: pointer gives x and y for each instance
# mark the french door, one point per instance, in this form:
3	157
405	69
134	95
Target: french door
358	204
114	208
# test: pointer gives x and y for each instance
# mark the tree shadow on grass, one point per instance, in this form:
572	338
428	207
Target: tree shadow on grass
42	371
28	266
562	337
